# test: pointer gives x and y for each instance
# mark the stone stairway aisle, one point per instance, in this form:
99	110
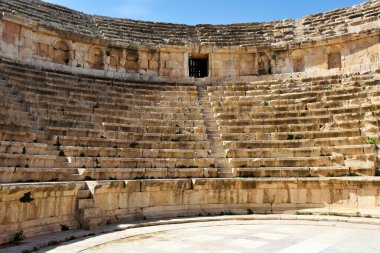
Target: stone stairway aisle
89	216
213	133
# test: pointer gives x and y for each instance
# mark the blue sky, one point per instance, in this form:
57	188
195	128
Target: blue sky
205	11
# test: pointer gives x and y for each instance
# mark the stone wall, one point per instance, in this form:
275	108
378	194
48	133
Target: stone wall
48	206
55	205
278	49
168	198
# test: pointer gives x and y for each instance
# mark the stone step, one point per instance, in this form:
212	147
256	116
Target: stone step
84	194
85	203
94	223
88	213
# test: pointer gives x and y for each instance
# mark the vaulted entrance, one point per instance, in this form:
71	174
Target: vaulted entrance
198	68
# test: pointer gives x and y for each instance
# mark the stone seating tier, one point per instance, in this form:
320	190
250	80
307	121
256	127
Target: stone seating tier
63	125
126	31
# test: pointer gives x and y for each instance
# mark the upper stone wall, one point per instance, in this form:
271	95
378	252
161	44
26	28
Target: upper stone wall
310	28
52	16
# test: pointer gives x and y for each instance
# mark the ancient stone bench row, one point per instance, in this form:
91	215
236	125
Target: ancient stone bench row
147	99
241	106
254	90
301	143
328	171
301	152
116	162
123	122
270	100
254	114
18	175
62	131
7	135
50	108
73	151
360	161
295	128
25	160
21	73
10	147
35	76
125	143
346	115
140	92
290	135
287	94
169	106
44	13
51	161
279	121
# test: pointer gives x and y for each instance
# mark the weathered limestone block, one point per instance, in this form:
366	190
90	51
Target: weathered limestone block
11	32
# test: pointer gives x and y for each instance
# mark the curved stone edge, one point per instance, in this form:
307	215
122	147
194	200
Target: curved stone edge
40	242
60	206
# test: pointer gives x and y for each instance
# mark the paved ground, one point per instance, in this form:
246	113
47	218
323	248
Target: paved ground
233	236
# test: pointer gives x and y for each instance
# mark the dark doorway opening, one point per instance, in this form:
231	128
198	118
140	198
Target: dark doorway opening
198	68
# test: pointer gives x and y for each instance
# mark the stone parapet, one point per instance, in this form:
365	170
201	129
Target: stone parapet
50	207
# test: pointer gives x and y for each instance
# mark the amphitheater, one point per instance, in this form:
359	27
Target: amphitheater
117	131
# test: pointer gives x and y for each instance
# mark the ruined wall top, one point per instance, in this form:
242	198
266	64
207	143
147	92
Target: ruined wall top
311	28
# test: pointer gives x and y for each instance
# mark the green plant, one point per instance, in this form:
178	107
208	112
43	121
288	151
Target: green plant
57	143
304	213
53	243
64	228
186	167
27	198
19	236
330	174
370	140
61	153
246	174
95	105
333	214
290	137
134	145
88	178
352	174
266	103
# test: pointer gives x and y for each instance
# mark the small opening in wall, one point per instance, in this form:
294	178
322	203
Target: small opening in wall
198	67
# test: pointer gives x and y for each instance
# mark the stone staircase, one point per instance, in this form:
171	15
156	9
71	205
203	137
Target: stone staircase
88	215
213	133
